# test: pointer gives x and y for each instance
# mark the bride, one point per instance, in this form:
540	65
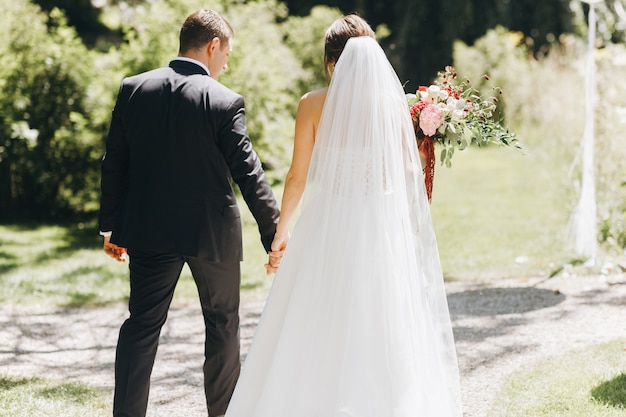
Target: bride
356	323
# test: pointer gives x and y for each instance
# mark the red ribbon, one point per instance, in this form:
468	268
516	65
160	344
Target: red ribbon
428	148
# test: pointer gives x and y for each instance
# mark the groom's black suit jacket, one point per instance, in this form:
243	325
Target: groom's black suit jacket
177	141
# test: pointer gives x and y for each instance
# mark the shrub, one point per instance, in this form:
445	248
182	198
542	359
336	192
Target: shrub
47	140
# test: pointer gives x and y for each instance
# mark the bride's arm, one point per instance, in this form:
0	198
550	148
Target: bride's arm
307	118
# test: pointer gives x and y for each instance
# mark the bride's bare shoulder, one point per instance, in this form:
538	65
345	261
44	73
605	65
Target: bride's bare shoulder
310	107
316	94
314	99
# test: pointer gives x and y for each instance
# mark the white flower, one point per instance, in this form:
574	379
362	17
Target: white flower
433	94
456	108
458	114
434	90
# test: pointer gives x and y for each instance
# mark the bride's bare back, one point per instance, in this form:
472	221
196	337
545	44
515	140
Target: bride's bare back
310	111
307	120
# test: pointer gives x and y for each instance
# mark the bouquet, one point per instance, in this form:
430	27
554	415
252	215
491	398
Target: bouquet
454	115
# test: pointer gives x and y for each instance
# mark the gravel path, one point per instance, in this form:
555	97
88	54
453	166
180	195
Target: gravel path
499	327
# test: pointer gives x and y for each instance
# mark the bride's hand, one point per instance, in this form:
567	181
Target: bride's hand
279	244
276	254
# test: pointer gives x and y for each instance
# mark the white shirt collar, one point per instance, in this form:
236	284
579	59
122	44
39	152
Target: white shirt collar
195	61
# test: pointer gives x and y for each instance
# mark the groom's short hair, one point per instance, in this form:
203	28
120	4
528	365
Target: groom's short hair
201	27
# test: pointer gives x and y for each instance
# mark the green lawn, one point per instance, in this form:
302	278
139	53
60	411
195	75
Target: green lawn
28	397
500	213
58	265
497	213
64	265
589	382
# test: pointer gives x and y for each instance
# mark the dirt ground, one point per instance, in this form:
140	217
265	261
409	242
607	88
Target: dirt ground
499	327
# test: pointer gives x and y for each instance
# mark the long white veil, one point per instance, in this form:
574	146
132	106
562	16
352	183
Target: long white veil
365	172
357	323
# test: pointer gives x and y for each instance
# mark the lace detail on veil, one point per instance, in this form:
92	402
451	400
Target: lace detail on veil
370	184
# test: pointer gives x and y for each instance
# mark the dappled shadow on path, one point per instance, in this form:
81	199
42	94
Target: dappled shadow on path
499	325
483	313
59	344
79	344
500	301
492	321
609	295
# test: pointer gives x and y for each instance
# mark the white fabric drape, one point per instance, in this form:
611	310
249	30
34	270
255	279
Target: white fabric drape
357	323
584	220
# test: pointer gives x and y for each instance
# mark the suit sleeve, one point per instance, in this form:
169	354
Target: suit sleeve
114	170
246	170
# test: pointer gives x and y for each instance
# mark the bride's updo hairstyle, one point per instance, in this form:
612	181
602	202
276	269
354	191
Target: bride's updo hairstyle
349	26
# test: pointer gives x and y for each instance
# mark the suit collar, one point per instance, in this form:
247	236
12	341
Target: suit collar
188	66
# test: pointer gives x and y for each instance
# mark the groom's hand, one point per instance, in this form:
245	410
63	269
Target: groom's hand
274	261
116	252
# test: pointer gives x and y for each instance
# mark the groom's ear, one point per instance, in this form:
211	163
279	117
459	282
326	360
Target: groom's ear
212	46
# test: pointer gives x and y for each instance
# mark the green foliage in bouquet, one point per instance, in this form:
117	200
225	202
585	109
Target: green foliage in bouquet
454	115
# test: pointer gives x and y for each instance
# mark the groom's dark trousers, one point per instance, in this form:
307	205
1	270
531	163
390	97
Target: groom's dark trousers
176	143
153	277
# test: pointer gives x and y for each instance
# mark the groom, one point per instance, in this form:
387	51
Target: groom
176	142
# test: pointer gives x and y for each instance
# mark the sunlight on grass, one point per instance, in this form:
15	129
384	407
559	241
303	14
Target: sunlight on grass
499	213
60	265
65	266
27	397
567	385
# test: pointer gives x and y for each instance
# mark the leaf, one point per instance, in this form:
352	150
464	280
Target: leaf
467	135
444	155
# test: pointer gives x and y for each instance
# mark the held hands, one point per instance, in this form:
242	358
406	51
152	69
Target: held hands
278	250
274	261
116	252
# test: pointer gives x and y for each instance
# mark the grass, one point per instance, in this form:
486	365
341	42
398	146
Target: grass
59	265
581	383
64	265
497	212
500	213
27	397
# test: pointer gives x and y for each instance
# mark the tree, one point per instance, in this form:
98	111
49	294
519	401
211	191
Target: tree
423	32
47	140
82	15
304	35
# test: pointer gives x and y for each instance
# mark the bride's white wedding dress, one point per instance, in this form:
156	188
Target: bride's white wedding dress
356	323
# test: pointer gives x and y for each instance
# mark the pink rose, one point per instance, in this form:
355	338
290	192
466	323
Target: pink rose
431	117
